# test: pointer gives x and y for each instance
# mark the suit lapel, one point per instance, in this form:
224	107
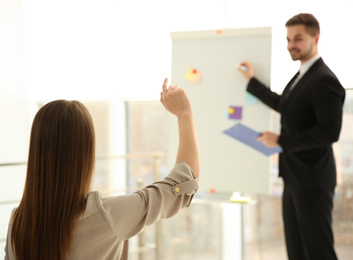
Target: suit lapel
287	88
286	96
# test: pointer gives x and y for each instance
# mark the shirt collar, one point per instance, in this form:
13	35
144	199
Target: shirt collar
306	65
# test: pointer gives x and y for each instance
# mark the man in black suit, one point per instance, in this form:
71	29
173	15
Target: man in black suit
311	117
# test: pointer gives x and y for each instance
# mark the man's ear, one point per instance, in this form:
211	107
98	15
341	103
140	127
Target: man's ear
317	36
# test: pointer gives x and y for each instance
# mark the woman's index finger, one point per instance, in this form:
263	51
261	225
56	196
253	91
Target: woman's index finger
164	87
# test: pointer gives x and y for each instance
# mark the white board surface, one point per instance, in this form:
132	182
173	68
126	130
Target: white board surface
226	164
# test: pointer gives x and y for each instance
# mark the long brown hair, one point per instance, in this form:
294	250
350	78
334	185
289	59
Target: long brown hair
59	174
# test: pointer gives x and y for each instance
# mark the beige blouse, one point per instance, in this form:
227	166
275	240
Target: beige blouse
108	222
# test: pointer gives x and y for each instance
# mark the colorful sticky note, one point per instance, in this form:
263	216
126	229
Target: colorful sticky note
235	112
240	199
193	75
250	99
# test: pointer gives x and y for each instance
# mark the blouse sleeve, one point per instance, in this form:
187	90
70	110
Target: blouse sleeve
129	214
8	247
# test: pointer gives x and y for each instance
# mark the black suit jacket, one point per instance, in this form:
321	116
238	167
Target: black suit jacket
311	118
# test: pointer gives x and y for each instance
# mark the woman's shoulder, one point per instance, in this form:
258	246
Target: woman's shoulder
92	204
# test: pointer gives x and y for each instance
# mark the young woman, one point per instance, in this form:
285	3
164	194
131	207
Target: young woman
59	218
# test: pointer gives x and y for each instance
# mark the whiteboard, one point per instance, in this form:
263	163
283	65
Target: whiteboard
227	165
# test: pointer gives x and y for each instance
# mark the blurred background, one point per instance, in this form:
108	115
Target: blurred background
113	56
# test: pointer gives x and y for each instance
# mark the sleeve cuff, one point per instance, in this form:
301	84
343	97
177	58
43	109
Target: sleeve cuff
189	188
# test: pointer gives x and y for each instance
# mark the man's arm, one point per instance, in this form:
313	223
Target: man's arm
256	88
262	92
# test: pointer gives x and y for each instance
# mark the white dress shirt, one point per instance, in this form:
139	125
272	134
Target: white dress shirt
304	68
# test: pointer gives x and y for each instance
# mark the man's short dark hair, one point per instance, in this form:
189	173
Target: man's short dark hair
308	20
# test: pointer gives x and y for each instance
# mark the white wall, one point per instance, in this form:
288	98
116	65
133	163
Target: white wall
98	49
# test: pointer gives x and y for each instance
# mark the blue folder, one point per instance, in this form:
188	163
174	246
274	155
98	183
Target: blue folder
249	137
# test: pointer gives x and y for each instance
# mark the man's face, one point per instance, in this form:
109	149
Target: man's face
301	45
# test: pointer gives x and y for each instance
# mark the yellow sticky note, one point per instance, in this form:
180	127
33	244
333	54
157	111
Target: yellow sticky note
193	75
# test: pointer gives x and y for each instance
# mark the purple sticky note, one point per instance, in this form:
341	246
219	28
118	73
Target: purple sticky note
235	112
